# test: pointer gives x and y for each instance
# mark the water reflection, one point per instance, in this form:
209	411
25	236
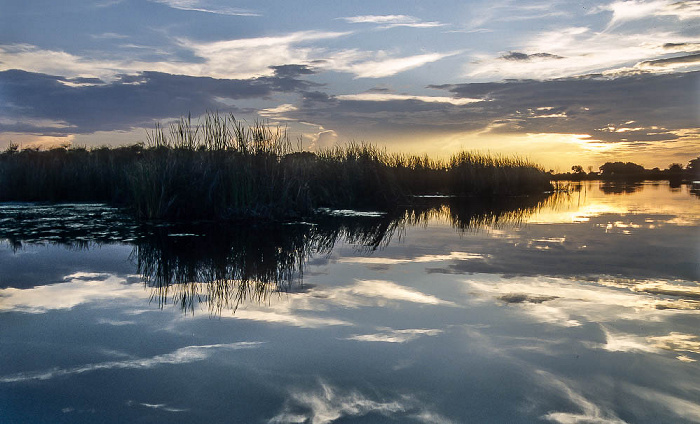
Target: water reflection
225	266
621	187
581	308
222	266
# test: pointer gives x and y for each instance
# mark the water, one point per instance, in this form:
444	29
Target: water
576	308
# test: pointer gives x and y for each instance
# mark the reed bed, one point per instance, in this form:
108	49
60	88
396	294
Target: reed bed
223	168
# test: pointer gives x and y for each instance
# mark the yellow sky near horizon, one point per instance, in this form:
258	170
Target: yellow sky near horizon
558	152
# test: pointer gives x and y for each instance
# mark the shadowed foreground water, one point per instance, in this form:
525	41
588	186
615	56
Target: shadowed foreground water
573	308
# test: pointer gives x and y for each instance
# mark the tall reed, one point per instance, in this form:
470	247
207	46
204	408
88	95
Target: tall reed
223	168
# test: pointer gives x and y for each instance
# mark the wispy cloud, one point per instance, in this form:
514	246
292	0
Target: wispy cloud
207	7
672	62
677	342
387	290
251	57
589	411
395	336
576	303
621	342
379	64
392	21
683	408
77	289
109	36
287	318
327	403
577	51
159	406
488	13
242	58
632	10
183	355
387	97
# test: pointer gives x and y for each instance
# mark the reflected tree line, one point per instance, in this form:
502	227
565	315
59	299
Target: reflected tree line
224	266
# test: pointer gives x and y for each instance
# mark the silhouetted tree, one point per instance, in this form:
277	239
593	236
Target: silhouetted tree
621	169
675	168
694	167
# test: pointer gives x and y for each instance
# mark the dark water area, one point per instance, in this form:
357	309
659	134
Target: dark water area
570	308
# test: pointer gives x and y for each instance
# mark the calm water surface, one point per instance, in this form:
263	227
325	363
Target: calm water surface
582	308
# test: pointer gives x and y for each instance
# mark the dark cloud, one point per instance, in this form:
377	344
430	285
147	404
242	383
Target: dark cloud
675	45
379	90
692	58
292	71
312	98
517	56
642	107
525	298
89	105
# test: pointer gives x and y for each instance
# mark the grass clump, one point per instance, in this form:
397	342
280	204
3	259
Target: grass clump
222	168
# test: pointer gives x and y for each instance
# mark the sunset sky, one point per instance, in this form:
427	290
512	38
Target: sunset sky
560	82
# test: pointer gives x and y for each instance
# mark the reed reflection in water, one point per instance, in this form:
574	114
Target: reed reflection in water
225	266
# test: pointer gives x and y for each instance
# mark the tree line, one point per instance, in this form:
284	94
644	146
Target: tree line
631	171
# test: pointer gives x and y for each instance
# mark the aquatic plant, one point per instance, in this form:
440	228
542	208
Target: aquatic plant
223	168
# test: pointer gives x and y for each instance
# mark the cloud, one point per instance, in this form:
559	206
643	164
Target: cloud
253	57
590	412
620	342
632	10
484	15
386	97
158	406
392	21
207	7
395	336
77	289
33	59
578	50
677	342
241	58
672	62
662	106
681	46
327	404
650	100
687	409
287	317
517	56
277	112
571	303
372	260
324	139
386	290
377	65
363	293
109	36
45	104
182	355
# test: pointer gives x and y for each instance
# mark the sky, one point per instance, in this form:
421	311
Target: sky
561	83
